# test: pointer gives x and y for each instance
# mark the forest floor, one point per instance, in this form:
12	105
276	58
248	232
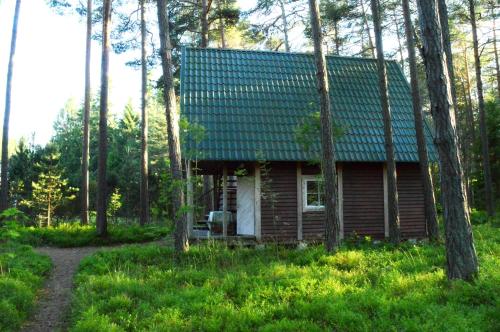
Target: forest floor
52	309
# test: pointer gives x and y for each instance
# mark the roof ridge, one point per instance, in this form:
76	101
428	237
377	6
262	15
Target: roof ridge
232	50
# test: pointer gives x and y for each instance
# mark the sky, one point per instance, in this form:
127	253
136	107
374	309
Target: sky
50	63
49	68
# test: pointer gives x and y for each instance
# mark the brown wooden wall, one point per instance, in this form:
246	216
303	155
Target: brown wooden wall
279	201
363	199
411	201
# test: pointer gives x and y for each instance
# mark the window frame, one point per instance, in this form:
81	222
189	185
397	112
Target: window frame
305	206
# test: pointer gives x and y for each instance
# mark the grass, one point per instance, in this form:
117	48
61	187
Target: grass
360	288
22	273
75	235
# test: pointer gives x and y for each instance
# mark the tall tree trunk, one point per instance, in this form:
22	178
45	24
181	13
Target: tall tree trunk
207	179
221	26
174	148
285	25
393	205
144	218
86	120
365	21
470	110
471	134
430	202
332	225
445	32
49	208
102	220
460	252
337	39
398	35
4	186
495	50
204	24
488	188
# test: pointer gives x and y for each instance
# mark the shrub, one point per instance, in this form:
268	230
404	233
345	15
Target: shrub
213	288
22	272
75	235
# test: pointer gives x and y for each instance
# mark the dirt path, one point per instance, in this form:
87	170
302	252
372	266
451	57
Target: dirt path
52	309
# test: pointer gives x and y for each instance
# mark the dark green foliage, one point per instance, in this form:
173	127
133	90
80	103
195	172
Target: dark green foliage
213	288
22	272
492	110
123	163
75	235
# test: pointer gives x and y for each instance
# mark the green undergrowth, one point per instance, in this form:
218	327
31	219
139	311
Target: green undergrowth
22	273
75	235
213	288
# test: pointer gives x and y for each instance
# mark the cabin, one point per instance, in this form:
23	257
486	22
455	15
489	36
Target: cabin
255	107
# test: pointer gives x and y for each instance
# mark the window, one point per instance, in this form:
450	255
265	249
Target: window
313	193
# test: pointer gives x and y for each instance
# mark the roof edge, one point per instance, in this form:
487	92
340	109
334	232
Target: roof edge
187	47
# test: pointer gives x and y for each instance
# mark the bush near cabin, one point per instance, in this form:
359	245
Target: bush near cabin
360	288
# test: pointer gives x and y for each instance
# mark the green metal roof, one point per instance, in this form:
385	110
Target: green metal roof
251	102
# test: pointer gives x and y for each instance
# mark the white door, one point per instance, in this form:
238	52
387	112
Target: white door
245	204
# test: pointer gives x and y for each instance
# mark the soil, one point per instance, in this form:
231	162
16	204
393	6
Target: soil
52	309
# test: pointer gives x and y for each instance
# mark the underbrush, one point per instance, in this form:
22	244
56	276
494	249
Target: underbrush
22	273
360	288
75	235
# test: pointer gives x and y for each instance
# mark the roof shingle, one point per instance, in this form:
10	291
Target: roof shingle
251	102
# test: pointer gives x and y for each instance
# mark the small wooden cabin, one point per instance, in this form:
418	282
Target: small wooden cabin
251	106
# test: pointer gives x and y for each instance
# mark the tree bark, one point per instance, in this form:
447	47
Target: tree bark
445	32
102	220
483	130
207	179
285	25
204	24
430	202
332	225
174	149
4	186
471	133
393	204
144	217
86	120
460	252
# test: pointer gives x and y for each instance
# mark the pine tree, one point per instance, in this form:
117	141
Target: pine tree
181	229
430	203
4	177
488	186
102	222
460	252
144	214
393	205
332	224
50	190
86	121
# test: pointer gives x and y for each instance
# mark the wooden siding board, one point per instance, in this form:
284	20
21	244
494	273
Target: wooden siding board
411	201
279	218
363	199
363	202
